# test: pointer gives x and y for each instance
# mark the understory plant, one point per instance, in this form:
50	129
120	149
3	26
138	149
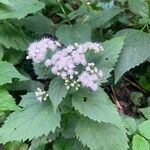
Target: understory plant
66	74
73	95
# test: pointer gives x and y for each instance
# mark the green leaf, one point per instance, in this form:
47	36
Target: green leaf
57	91
135	51
20	8
130	124
39	143
78	33
139	7
7	102
101	18
16	146
139	143
39	24
30	85
1	52
68	144
35	120
12	37
136	98
6	2
8	72
42	71
68	125
146	112
108	58
96	106
144	81
144	129
13	56
101	136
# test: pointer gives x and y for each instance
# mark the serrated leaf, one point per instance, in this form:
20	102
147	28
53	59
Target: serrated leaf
135	51
16	146
8	72
139	7
144	129
101	136
57	91
39	143
130	124
146	112
42	71
30	85
139	143
97	106
68	125
78	33
20	8
101	18
39	24
12	37
13	56
68	144
35	120
7	102
109	57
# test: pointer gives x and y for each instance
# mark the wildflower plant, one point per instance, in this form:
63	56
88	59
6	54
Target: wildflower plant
57	93
70	63
75	74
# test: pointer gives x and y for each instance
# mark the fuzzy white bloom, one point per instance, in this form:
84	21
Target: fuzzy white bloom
66	63
41	94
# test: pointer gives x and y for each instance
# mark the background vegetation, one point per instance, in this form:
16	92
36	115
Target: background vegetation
70	21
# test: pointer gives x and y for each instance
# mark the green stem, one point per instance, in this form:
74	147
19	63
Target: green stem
64	12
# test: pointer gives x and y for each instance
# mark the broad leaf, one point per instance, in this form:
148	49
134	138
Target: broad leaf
13	56
139	7
8	72
68	144
7	102
39	24
68	124
16	146
108	58
101	18
20	8
78	33
146	112
57	91
139	143
12	37
35	120
130	124
6	2
29	85
101	136
96	106
144	129
135	51
42	71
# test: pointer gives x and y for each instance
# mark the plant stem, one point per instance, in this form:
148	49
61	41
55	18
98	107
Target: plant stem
64	12
115	98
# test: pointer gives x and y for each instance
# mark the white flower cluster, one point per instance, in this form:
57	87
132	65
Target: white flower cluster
70	63
41	94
